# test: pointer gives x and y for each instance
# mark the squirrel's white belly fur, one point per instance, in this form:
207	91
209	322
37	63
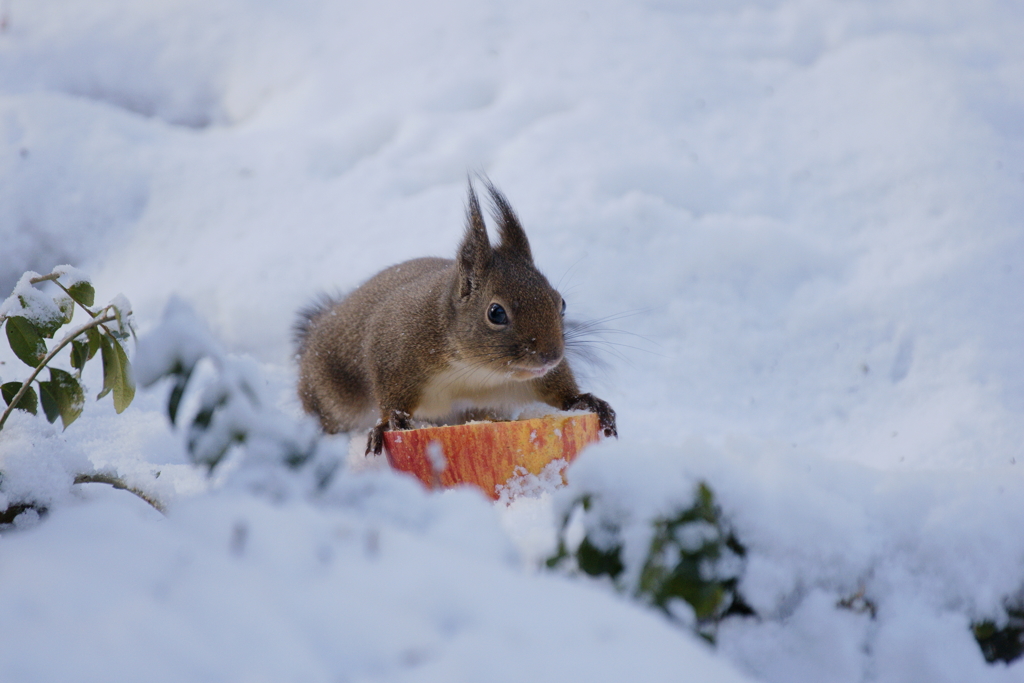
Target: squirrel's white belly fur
462	386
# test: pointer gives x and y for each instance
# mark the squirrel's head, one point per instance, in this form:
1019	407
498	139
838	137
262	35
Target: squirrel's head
508	317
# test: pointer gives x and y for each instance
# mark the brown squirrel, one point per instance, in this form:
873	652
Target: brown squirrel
432	338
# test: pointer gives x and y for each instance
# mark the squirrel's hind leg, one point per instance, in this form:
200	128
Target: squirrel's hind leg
393	420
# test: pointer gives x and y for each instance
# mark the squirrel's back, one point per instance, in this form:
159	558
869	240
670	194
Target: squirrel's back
332	335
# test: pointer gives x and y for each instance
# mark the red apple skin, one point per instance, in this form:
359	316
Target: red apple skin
487	454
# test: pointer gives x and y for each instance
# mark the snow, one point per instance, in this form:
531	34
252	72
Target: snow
28	302
248	590
523	483
939	545
71	276
802	215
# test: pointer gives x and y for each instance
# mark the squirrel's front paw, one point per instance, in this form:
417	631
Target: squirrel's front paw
605	414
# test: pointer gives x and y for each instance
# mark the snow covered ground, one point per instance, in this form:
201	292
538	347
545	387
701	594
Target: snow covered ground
809	214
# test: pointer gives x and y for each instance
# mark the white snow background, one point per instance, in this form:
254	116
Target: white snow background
809	212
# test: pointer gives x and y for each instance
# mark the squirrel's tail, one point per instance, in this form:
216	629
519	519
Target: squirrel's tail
308	316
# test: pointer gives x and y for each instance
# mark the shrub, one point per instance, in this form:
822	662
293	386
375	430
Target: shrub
31	317
690	566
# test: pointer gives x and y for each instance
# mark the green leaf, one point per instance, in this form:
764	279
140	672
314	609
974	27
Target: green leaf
117	374
28	402
123	329
211	452
26	340
64	393
598	562
180	382
79	353
110	368
1004	644
66	306
94	337
49	402
8	390
83	293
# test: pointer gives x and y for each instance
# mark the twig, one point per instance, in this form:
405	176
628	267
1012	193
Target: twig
84	307
118	483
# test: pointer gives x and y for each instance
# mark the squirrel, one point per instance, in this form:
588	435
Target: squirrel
432	338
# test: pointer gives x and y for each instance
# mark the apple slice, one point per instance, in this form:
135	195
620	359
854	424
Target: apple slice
486	454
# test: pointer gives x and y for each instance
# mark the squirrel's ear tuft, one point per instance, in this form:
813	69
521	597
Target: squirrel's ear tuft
513	237
475	251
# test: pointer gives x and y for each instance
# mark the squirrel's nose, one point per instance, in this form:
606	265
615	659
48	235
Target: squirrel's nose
549	357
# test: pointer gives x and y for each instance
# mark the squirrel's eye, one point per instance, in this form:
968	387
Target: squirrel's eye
496	314
563	306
